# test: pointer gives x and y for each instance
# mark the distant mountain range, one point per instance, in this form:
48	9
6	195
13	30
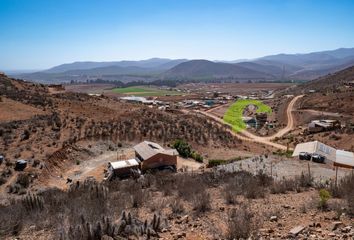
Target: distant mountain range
281	67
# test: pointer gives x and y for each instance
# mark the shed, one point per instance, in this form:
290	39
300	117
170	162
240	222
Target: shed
316	147
344	159
123	168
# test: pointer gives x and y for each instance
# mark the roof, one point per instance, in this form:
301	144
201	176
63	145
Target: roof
344	158
141	99
322	123
339	157
124	163
316	147
147	149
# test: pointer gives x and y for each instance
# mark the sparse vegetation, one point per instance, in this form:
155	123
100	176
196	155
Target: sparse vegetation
324	197
185	150
241	223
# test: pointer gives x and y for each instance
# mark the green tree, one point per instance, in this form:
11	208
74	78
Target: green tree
183	148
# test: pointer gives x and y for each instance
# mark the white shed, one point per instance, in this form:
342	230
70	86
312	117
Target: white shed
344	159
316	147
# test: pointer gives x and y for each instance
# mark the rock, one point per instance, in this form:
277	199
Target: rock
182	219
32	228
273	219
106	237
222	209
286	206
346	229
296	230
335	225
332	234
181	235
315	224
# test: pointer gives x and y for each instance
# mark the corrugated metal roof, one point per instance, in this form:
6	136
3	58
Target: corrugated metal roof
124	163
345	158
148	149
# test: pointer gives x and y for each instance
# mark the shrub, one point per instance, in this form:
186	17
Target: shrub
23	180
215	162
2	180
230	193
201	202
240	224
253	189
324	197
183	148
197	157
177	206
346	190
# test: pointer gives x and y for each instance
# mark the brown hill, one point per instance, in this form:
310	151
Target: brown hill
208	70
331	81
50	123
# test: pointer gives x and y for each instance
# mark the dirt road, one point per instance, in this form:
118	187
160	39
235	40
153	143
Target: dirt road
247	136
330	114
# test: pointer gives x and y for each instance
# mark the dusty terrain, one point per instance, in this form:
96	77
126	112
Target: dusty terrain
234	88
73	136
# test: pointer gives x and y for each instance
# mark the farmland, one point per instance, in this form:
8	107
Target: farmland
234	113
144	91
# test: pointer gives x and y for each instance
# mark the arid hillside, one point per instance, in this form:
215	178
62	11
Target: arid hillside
40	127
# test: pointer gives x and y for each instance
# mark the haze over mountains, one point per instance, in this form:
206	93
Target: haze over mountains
281	67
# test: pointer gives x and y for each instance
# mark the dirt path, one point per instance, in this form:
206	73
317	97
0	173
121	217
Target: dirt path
331	114
215	108
247	136
290	126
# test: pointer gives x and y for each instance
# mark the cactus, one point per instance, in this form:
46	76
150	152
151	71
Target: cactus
123	218
155	223
129	220
122	226
33	202
98	231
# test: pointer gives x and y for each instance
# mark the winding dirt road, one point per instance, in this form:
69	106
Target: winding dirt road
247	136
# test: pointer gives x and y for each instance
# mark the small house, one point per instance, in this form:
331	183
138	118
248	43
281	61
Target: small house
323	125
152	155
344	159
123	168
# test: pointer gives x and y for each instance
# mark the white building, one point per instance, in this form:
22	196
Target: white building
339	158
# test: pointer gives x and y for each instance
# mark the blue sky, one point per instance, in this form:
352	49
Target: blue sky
38	34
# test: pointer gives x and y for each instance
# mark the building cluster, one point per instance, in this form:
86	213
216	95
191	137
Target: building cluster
148	156
323	125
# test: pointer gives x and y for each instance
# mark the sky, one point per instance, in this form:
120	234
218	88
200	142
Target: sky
38	34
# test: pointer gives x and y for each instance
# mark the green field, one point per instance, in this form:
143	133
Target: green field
144	91
234	113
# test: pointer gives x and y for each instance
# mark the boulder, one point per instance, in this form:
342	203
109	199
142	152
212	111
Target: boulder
335	225
296	230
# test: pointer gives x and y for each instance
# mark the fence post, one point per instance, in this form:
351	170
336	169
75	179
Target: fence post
336	176
309	169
